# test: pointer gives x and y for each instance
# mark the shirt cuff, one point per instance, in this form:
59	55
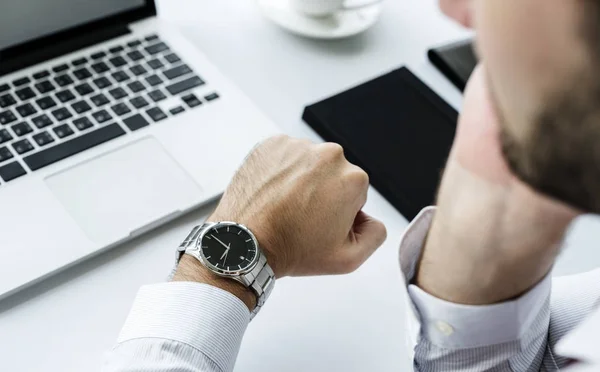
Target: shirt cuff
209	319
454	326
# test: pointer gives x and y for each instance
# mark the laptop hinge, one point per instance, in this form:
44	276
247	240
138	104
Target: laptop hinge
39	55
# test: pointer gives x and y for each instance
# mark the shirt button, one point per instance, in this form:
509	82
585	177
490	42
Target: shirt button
444	328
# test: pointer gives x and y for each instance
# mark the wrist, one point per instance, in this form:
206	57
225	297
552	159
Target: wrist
191	270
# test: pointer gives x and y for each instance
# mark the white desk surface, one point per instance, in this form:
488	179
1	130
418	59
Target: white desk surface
349	323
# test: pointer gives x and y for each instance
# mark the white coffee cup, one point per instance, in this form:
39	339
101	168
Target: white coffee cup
322	8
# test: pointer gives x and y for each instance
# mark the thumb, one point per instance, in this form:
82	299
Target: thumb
366	236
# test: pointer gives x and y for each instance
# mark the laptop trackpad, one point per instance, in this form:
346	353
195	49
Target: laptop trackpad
122	191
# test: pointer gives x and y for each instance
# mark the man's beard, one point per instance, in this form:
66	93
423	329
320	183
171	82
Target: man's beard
561	155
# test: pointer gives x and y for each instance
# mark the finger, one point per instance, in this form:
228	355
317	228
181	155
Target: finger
358	180
366	236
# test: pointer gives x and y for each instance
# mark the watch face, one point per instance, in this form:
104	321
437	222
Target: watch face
229	248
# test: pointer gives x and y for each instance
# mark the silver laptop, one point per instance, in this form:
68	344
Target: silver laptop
111	123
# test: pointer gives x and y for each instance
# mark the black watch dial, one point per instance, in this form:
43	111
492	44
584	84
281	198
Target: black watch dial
228	248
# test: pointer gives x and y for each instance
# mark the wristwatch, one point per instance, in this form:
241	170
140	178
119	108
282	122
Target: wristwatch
231	250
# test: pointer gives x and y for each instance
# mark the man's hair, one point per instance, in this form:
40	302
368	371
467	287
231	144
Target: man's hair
561	156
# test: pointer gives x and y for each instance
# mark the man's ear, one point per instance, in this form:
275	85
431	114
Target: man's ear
459	10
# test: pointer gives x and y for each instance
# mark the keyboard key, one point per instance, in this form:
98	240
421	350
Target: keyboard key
155	64
134	43
5	154
63	131
156	114
83	123
100	67
98	55
157	95
80	61
21	129
81	107
184	85
60	68
116	49
191	100
172	58
73	146
7	117
43	138
84	89
176	110
102	82
156	48
99	100
25	93
101	116
121	109
7	100
5	136
23	146
45	102
44	86
21	81
118	61
11	171
211	97
4	87
176	72
26	110
65	95
137	70
136	86
151	37
135	55
118	93
63	80
139	102
153	80
62	114
120	76
136	122
41	74
82	73
41	121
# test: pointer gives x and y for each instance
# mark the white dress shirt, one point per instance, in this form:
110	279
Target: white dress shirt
191	327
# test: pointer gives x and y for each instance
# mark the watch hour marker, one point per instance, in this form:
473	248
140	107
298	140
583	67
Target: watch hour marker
207	237
242	258
239	232
240	266
249	240
227	228
207	257
217	230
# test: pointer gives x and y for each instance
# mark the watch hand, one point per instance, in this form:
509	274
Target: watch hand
226	252
217	239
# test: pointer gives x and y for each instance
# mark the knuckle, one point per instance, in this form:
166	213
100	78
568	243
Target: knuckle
331	150
358	176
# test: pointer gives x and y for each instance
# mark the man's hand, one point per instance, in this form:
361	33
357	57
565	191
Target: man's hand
303	202
493	237
459	10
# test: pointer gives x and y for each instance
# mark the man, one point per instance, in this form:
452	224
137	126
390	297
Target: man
479	284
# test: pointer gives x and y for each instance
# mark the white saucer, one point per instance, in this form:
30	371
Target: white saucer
342	24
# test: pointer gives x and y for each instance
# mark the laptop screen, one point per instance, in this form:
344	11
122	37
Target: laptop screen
26	20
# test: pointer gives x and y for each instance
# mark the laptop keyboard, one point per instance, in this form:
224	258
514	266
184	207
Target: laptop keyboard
57	113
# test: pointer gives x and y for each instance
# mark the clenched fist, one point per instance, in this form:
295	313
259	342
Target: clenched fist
303	202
